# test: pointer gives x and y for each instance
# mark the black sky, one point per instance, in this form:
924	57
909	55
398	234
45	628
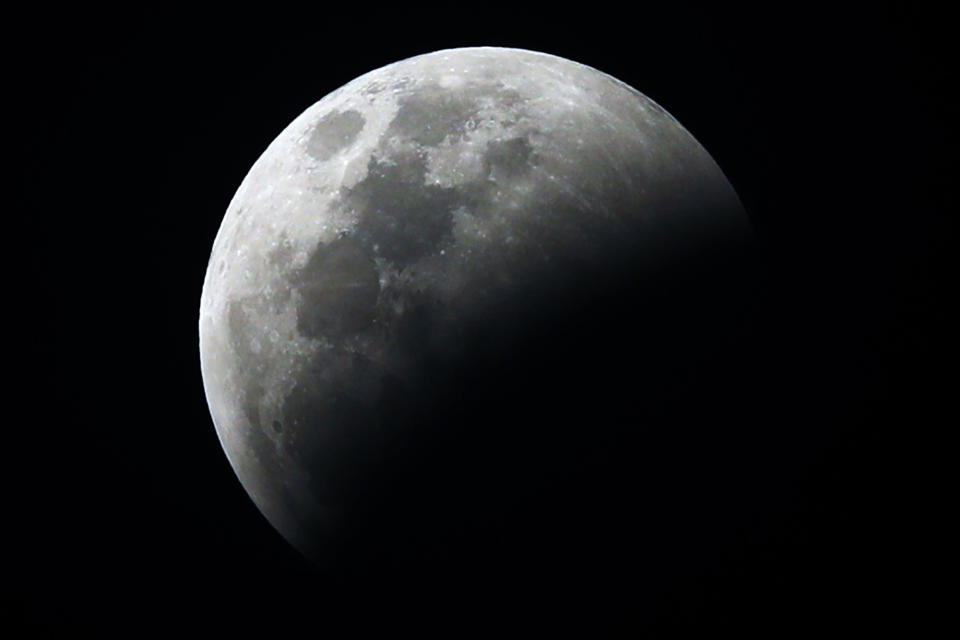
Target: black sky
135	129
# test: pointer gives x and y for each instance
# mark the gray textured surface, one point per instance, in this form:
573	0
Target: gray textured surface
399	211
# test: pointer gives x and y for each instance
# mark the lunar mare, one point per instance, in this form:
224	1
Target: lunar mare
398	213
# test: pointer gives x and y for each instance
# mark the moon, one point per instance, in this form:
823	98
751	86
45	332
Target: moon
428	216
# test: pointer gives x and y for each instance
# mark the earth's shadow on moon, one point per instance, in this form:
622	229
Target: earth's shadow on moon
622	428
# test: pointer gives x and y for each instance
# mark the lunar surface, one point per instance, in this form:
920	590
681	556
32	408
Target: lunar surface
427	216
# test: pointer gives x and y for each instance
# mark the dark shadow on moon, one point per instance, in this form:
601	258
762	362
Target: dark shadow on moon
626	423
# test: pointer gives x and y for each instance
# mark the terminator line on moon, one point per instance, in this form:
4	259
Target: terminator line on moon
401	210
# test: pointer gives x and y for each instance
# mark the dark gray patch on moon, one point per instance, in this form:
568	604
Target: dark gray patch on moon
433	112
334	132
338	290
507	158
401	218
334	413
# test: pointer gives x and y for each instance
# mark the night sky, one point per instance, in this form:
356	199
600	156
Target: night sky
798	486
